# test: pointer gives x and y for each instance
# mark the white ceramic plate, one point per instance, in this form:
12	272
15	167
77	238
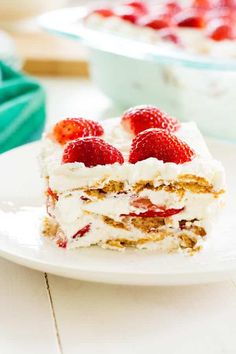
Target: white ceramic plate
20	241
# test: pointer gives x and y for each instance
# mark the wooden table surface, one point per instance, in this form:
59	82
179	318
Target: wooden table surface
46	54
46	314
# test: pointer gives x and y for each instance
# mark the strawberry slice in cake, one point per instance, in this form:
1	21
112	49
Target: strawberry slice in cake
144	180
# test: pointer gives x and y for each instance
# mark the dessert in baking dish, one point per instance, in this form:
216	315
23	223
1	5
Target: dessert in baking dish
205	27
144	180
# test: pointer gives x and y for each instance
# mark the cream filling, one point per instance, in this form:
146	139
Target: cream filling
101	232
72	213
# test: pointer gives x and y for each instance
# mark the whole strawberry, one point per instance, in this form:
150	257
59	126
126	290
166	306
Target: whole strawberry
73	128
92	151
161	145
140	118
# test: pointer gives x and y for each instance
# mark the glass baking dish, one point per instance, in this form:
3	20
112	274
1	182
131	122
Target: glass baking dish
191	87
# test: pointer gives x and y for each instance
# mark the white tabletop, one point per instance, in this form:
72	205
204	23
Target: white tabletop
42	313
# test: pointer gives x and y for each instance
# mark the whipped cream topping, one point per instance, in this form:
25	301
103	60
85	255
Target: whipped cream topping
64	177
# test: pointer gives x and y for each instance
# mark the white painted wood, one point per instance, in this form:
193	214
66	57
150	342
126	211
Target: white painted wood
97	318
26	323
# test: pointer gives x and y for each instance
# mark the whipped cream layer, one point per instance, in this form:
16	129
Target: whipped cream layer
194	41
73	213
99	233
66	177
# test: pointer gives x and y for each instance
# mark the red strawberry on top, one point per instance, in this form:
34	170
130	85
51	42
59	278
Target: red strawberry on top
73	128
155	22
226	3
203	4
190	18
173	7
92	151
143	117
161	145
127	13
220	30
138	5
104	12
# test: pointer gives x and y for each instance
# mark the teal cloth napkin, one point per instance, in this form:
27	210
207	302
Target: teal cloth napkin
22	108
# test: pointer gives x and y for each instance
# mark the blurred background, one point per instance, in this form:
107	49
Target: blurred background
41	75
46	77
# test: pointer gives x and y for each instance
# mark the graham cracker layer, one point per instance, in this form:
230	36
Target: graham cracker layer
184	242
183	183
148	224
153	224
49	227
111	187
187	238
187	182
113	223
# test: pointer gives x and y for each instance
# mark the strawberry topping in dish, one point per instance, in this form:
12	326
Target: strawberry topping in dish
190	18
173	7
104	12
172	15
140	6
127	13
220	30
155	22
